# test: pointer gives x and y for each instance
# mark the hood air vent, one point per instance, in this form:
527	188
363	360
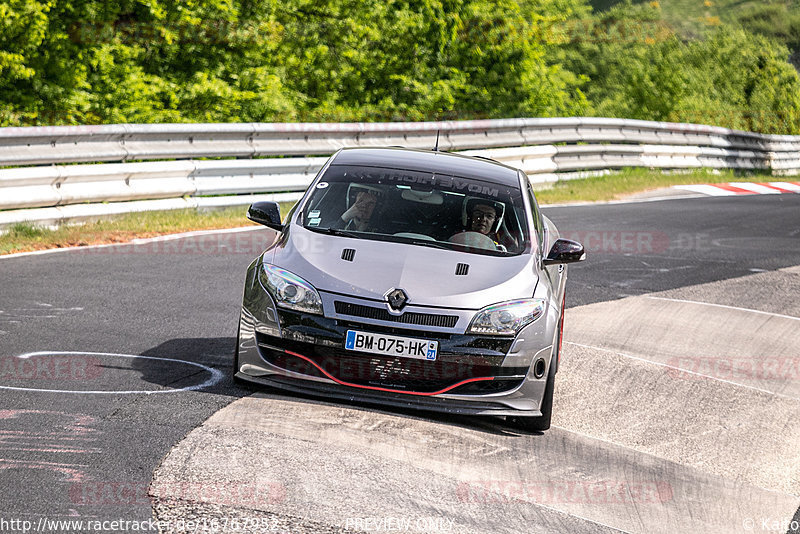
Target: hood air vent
462	269
348	254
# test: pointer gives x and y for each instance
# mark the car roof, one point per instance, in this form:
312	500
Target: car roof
430	161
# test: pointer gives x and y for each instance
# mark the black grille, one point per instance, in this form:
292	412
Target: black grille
462	269
348	254
381	314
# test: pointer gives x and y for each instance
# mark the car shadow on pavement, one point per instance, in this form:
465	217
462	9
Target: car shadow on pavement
163	367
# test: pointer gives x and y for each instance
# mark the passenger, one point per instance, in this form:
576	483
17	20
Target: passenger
358	216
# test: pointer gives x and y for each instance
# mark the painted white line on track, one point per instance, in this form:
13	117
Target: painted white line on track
725	307
681	370
196	233
216	374
139	241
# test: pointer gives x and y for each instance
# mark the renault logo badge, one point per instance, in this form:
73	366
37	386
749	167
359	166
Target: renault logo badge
397	299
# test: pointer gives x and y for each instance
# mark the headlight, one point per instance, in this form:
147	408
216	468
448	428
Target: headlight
289	290
507	318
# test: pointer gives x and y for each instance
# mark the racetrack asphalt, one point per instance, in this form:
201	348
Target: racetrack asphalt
92	456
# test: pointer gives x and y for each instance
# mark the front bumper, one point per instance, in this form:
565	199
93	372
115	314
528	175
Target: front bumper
475	375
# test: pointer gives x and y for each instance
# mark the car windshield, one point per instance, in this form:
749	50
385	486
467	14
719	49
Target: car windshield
419	208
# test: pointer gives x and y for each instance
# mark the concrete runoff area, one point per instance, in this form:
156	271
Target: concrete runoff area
654	431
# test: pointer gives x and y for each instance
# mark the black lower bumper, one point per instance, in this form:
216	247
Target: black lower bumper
314	346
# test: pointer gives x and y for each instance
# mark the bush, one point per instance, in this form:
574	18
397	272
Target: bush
92	62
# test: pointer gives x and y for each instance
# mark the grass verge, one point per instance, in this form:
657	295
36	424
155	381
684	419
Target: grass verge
25	237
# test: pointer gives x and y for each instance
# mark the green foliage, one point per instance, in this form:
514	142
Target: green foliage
778	20
419	60
762	92
93	62
69	61
730	78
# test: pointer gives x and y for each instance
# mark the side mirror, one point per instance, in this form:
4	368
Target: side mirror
565	251
267	213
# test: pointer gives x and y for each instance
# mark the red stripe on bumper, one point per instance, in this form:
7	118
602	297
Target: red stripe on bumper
375	388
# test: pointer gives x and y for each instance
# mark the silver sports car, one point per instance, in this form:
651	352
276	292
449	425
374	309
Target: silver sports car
410	278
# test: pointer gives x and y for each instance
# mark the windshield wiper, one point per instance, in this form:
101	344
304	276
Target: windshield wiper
335	231
427	243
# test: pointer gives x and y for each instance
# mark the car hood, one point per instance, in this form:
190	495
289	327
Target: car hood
427	275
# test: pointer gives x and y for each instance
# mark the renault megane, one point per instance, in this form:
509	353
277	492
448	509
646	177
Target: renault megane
414	279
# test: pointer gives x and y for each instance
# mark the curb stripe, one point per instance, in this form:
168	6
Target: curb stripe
787	186
706	189
757	188
776	187
742	188
734	189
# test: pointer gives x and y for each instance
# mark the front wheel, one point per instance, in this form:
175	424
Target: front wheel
236	379
541	423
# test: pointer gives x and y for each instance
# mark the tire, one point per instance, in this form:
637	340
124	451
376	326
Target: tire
236	379
542	423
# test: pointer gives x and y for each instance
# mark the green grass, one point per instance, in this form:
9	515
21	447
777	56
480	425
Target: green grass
25	231
26	237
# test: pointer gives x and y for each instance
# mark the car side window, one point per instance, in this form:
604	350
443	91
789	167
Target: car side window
538	223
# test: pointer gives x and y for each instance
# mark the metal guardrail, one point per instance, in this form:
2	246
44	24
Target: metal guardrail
58	185
46	185
135	142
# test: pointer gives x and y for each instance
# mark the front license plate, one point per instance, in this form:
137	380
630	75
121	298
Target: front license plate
404	347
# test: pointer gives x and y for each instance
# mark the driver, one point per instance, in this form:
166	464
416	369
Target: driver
483	218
